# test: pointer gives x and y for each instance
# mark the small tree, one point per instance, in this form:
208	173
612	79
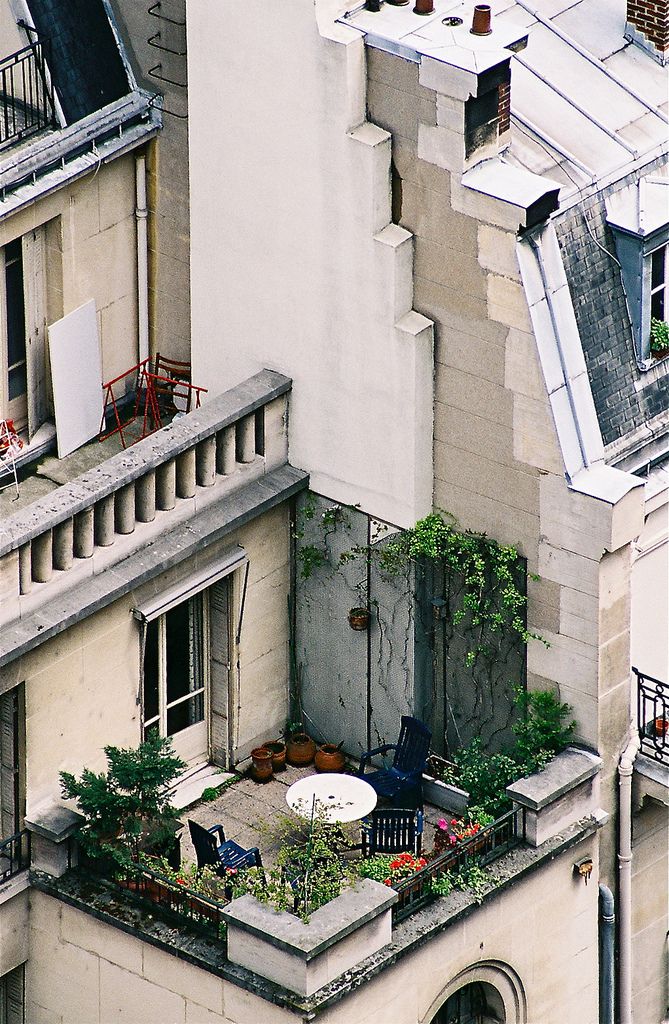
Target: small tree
127	808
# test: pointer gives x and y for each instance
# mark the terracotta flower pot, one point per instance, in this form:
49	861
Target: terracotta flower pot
329	758
661	726
358	618
300	749
277	749
262	764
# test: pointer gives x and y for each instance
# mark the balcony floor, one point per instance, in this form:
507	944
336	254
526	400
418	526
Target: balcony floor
250	812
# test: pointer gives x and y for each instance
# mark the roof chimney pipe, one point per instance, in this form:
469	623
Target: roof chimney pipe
481	21
424	7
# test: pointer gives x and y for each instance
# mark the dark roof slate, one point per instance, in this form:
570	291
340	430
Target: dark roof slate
603	321
85	63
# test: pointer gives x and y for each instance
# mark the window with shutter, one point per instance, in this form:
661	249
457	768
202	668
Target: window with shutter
10	778
12	997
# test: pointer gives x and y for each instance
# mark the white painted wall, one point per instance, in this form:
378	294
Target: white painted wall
650	594
294	264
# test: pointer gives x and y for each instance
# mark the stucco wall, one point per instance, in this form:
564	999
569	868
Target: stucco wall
543	963
91	253
650	911
294	262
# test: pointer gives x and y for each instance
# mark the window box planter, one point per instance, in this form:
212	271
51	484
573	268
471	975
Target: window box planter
444	795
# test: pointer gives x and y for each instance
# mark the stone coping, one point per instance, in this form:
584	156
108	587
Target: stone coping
146	563
565	772
144	456
54	822
98	898
325	927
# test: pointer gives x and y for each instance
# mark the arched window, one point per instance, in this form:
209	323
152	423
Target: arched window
476	1003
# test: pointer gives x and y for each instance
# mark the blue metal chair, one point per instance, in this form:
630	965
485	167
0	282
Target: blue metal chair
213	849
392	830
402	783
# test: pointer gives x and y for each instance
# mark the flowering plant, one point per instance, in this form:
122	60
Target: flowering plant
390	869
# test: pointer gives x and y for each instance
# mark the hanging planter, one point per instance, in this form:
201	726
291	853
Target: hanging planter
329	758
262	764
300	749
358	618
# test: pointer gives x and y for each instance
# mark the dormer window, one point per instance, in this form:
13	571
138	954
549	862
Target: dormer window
637	215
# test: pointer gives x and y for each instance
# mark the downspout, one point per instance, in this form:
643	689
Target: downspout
607	921
141	216
625	769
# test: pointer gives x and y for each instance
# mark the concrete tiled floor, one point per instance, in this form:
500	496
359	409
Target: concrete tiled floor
247	809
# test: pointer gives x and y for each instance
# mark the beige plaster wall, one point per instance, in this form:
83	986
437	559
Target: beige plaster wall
14	943
167	166
82	687
91	253
542	962
650	912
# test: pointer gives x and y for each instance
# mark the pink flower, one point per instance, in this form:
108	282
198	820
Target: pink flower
442	824
452	840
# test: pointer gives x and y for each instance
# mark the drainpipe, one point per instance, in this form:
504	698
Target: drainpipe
607	921
142	259
625	769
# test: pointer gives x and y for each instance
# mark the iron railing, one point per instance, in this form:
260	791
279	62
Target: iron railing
14	855
491	842
178	901
653	716
26	96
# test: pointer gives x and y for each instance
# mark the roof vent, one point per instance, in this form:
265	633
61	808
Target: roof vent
481	21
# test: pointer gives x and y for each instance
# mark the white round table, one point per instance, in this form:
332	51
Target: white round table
339	798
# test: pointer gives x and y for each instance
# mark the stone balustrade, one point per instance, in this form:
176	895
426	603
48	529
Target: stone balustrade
215	444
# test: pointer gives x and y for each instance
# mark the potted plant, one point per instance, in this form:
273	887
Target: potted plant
329	757
659	338
277	749
127	808
261	770
300	749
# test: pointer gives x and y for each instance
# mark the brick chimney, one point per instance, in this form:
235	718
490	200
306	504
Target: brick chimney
648	26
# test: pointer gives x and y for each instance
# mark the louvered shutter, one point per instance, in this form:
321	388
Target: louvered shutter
8	764
34	288
219	626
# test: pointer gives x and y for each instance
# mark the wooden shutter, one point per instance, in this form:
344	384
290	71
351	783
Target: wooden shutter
219	646
9	767
34	288
12	997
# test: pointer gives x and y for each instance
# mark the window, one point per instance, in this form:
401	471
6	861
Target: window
176	658
14	370
476	1003
659	283
12	996
637	216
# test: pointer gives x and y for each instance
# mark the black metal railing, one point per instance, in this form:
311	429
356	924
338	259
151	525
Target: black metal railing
14	855
491	842
26	96
653	716
178	901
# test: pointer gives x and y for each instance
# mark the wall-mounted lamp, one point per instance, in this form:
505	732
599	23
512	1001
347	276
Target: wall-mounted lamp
583	868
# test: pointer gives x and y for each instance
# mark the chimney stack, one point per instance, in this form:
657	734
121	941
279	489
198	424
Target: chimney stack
648	26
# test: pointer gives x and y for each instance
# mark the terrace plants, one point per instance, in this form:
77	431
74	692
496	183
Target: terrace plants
390	868
659	338
127	808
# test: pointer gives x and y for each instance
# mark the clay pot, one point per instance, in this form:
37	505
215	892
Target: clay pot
300	749
262	764
661	726
277	748
358	618
329	758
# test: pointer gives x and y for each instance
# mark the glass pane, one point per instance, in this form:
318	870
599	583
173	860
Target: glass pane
657	267
177	650
18	384
16	325
151	671
657	305
179	717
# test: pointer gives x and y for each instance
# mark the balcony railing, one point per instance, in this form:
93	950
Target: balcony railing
177	901
26	97
178	466
653	716
491	842
14	855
